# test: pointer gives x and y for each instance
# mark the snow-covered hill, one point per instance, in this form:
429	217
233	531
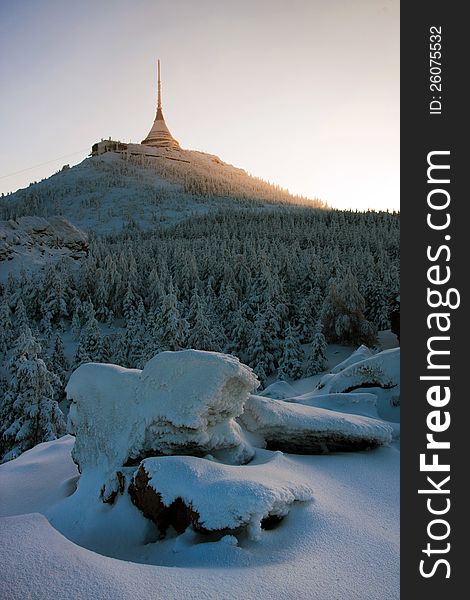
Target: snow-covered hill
103	193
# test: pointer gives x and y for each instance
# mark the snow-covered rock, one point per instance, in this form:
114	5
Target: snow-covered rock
180	403
361	353
26	232
279	390
354	403
381	370
300	429
32	243
182	491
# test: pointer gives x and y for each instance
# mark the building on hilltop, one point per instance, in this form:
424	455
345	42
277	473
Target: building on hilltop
159	137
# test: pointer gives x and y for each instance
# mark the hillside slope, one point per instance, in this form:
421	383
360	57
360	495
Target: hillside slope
104	193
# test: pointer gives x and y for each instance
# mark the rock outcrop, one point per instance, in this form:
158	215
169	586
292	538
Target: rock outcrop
212	498
25	233
300	429
181	403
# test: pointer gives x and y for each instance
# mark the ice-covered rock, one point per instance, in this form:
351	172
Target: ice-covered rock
381	370
182	491
181	403
301	429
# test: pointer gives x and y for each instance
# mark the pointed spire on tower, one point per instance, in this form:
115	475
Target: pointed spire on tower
160	136
159	93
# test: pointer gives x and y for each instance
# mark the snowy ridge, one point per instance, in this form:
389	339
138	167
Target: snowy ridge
105	192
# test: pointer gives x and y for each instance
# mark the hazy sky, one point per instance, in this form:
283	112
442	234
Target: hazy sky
304	93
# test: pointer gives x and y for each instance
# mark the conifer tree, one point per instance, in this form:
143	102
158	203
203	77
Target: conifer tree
343	313
21	318
90	346
317	358
172	328
292	356
29	413
6	327
259	352
203	335
76	325
133	342
59	366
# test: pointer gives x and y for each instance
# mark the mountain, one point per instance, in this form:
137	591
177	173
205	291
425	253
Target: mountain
108	191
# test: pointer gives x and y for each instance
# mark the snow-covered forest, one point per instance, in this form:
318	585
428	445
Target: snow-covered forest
272	287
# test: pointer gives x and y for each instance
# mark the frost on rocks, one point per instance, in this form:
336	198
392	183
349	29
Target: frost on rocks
182	402
183	491
300	429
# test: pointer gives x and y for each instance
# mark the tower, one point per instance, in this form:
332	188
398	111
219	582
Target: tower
160	136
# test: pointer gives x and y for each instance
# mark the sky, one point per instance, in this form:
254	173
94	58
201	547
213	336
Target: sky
302	93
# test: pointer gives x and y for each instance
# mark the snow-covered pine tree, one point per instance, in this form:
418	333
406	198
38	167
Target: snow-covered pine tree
29	413
260	349
172	328
46	328
55	296
102	296
6	326
378	303
317	358
76	325
155	290
240	334
90	347
309	309
60	366
21	318
343	317
133	343
292	356
202	334
130	302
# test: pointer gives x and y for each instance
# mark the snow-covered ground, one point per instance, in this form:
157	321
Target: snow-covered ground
340	542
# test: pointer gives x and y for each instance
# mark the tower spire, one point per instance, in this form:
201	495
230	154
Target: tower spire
159	136
159	94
